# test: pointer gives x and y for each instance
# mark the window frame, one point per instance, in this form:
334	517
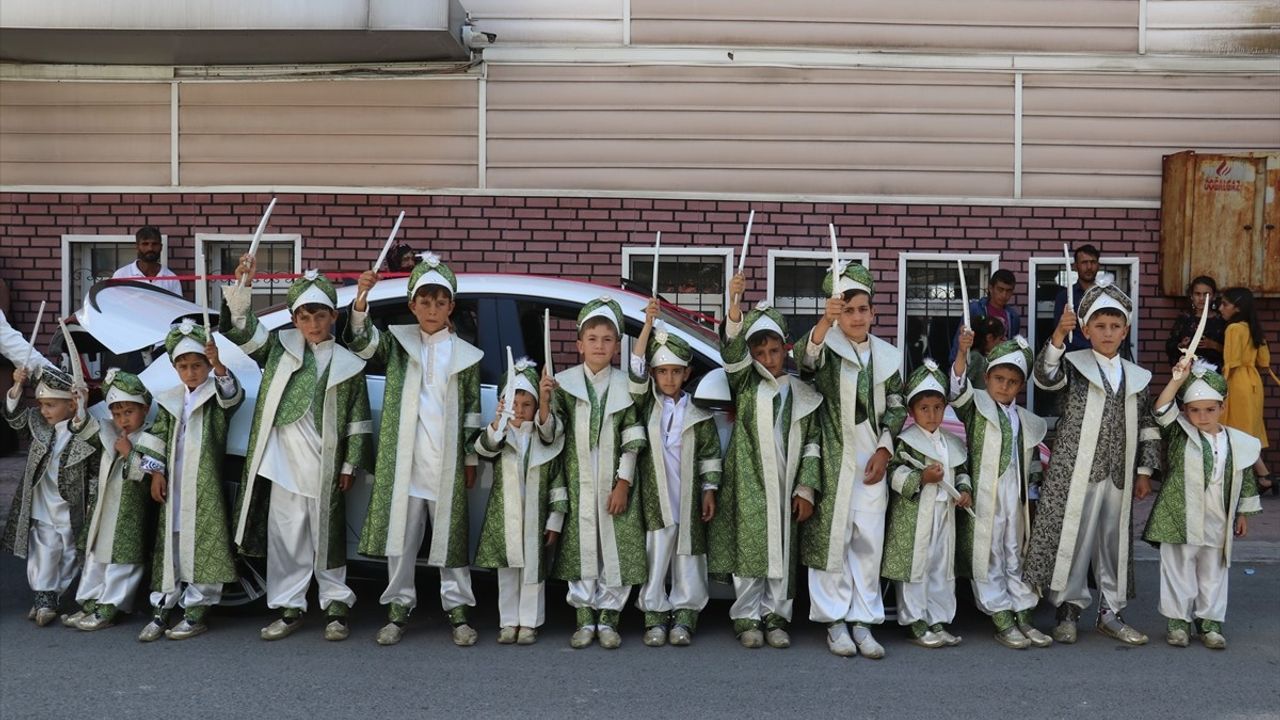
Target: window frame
69	241
646	251
1034	264
203	294
991	259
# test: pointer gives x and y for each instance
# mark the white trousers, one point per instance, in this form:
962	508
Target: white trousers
293	542
187	595
455	583
933	598
1003	587
596	595
757	597
51	557
109	583
1098	543
688	575
1193	582
520	604
852	594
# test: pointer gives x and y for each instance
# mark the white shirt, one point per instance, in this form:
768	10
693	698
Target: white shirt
47	505
1111	369
940	451
292	456
15	347
780	431
133	271
1215	525
672	429
1015	435
429	449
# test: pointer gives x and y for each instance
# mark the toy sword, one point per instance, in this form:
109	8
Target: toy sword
257	234
1195	339
31	344
964	293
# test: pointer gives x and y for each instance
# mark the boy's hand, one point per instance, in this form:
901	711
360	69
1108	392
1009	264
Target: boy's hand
966	500
123	446
708	505
546	387
497	415
159	487
931	474
470	473
1142	487
1242	526
737	286
211	352
618	498
801	509
1065	325
20	375
965	343
367	280
344	482
552	536
875	467
651	311
1181	370
835	306
246	269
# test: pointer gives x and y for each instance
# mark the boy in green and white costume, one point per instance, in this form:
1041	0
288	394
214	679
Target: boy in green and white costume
526	509
679	474
771	474
426	459
589	405
859	378
1004	459
1209	491
312	430
192	558
46	519
116	544
930	479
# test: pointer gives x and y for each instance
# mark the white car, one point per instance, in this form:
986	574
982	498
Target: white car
125	322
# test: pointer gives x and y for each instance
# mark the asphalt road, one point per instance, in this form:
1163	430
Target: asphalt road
230	673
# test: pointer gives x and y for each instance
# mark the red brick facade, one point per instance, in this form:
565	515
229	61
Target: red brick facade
582	238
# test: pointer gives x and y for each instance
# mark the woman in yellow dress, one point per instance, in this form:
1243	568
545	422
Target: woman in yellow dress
1244	353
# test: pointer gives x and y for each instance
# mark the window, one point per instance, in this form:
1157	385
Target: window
930	309
87	259
695	279
795	285
1050	278
276	254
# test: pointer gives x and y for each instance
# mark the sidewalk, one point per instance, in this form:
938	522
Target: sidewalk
1261	545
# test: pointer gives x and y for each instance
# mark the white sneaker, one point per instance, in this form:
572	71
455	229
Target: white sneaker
839	642
866	643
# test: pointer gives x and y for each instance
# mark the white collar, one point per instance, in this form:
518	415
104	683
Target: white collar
62	427
935	436
322	345
523	428
437	337
681	400
596	377
1107	362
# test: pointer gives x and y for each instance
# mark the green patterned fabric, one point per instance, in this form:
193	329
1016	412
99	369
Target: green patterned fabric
132	502
394	458
541	481
738	538
853	276
184	330
311	279
77	472
213	561
430	262
346	438
575	410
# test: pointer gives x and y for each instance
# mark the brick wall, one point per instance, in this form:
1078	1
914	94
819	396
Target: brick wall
583	238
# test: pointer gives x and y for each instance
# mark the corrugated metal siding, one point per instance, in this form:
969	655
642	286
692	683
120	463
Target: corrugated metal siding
989	25
750	130
1219	27
559	22
414	133
1103	136
84	133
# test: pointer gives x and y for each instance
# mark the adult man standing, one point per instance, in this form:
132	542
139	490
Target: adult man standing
150	245
995	304
1086	260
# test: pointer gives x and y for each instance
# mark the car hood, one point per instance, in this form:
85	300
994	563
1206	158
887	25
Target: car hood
129	316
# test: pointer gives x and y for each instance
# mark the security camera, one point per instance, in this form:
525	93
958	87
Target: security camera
475	39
